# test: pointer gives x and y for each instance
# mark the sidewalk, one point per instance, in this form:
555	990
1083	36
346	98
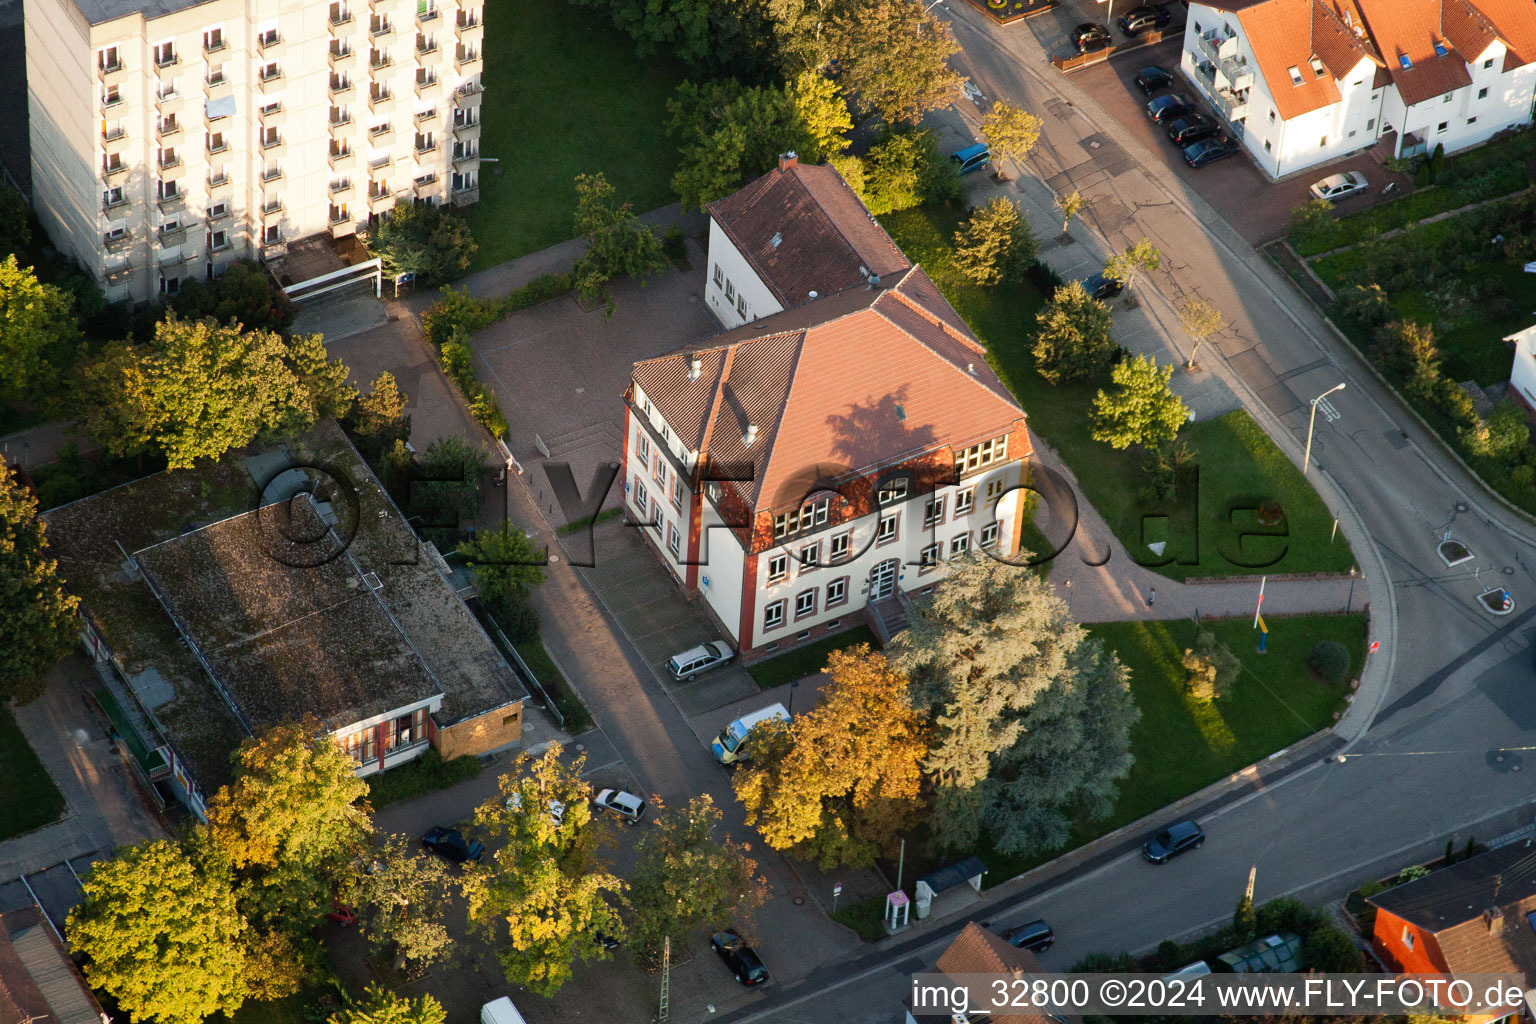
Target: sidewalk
40	445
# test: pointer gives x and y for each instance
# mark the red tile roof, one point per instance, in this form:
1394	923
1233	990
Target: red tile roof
1411	28
859	379
1514	22
824	234
978	951
1285	34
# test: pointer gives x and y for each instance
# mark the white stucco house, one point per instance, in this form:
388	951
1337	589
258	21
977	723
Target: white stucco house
1522	375
1305	82
835	447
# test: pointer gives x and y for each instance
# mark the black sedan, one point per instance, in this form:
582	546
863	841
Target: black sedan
1144	19
1172	841
1150	80
1191	128
450	843
739	957
1089	37
1166	108
1101	287
1208	151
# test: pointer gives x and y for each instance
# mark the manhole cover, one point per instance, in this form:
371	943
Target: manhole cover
1509	570
799	901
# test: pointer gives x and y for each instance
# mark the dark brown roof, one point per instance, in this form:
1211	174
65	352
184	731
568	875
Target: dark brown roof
803	230
859	379
38	981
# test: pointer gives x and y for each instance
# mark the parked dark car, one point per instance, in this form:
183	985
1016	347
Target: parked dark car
450	843
607	942
1101	287
739	957
1089	37
1191	128
1035	936
971	158
1144	19
1150	80
1208	151
1172	841
1167	108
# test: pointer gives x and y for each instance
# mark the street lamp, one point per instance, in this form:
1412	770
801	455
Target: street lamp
1109	22
794	684
1312	421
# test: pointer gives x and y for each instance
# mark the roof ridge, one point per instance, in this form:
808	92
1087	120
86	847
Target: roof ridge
726	363
971	377
930	315
797	167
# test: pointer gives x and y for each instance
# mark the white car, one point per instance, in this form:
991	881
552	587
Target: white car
700	659
627	806
556	808
1339	186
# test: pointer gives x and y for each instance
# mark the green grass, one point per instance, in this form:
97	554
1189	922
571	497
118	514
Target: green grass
1182	745
867	917
1241	465
577	525
565	95
427	774
577	718
28	799
808	660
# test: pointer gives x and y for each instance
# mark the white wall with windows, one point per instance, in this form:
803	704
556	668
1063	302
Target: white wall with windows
732	288
400	735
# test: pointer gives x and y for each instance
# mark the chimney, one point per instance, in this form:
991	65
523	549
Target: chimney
874	281
695	367
1494	918
970	368
749	438
788	160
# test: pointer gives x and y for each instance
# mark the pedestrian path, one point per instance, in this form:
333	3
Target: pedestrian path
39	445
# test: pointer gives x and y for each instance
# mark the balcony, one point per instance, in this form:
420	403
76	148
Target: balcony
341	187
109	72
111	101
219	247
170	258
217	145
168	161
467	27
271	174
467	92
340	158
110	171
426	17
424	146
341	57
167	128
340	87
171	203
425	186
466	161
425	46
269	41
218	180
428	87
114	139
217	86
168	102
211	46
340	119
380	162
341	18
469	61
381	103
380	131
217	213
379	61
270	80
170	60
1232	106
1237	71
467	196
117	243
382	30
172	236
1214	45
115	210
272	207
343	228
466	131
425	116
272	144
381	202
121	272
1206	72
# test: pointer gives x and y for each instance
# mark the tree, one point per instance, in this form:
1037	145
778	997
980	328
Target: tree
894	58
1211	665
289	824
505	565
1031	716
201	388
725	35
424	239
15	222
1141	408
37	331
688	873
379	417
402	897
1070	206
1124	266
1313	224
1073	341
1502	435
542	901
617	243
244	294
1200	320
1010	132
162	939
447	485
729	132
38	627
381	1006
824	112
1245	921
995	244
1331	950
904	169
843	779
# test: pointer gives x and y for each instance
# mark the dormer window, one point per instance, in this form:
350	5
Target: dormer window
807	516
1405	62
1317	68
1295	74
1440	48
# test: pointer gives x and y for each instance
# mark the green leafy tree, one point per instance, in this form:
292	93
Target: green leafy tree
1212	668
824	112
729	133
38	334
1073	341
843	779
895	170
425	239
448	484
1137	257
381	1006
995	244
1070	206
165	941
379	417
1140	408
505	565
1200	320
38	627
1365	305
894	58
800	33
1331	950
202	388
617	243
402	897
541	901
1502	435
15	222
688	875
1031	716
852	169
1313	226
1011	133
713	35
244	294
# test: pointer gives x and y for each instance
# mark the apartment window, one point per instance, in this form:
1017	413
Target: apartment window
964	502
989	535
778	567
1271	117
674	541
984	454
893	491
1317	68
933	512
165	54
216	74
166	156
1482	93
1471	120
666	432
340	115
170	286
107	59
719	276
213	39
805	603
642	497
1487	63
112	130
113	196
1266	146
730	291
810	556
269	136
115	234
644	449
218	240
1442	126
837	591
267	36
112	95
928	558
994	490
659	470
741	306
216	143
840	545
1370	125
1323	143
1446	98
426	9
645	406
886	531
271	234
170	227
167	190
380	128
269	71
677	493
1352	133
339	13
425	43
773	615
960	545
168	124
271	107
809	515
218	211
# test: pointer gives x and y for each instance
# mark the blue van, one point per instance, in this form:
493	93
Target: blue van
972	158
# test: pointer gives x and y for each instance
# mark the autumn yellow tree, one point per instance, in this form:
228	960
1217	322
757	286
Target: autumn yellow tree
842	780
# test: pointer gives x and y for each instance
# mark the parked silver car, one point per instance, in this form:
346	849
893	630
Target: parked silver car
1339	186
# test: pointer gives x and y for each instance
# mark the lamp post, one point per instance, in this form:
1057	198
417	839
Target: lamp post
794	684
1312	421
1109	22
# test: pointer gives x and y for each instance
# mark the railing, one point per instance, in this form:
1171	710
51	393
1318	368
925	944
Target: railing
1232	106
165	131
1209	43
214	46
343	18
338	187
112	134
217	147
381	30
217	214
1237	71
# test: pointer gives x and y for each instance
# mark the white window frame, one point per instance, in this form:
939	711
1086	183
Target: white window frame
979	456
928	558
778	567
960	544
994	490
889	529
641	496
933	512
674	541
989	534
893	491
773	614
643	448
840	545
805	603
837	592
809	556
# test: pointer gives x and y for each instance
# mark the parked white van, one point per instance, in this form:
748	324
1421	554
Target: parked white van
727	746
500	1011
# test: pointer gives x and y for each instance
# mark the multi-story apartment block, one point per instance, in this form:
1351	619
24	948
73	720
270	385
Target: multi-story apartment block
802	471
170	138
1304	82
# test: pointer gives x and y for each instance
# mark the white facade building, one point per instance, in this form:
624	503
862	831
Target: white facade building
172	138
1522	375
1305	82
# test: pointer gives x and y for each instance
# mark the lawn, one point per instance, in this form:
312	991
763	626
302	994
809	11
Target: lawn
564	95
1202	522
427	774
29	799
808	660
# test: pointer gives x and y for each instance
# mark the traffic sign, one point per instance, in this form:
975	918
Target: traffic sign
1375	646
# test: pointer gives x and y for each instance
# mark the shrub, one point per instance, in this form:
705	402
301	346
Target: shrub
995	244
1212	667
1329	661
674	245
1367	306
1331	950
431	242
1313	227
1288	914
1411	873
1503	435
1074	340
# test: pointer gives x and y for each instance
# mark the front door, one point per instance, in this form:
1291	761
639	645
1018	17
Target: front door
882	580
